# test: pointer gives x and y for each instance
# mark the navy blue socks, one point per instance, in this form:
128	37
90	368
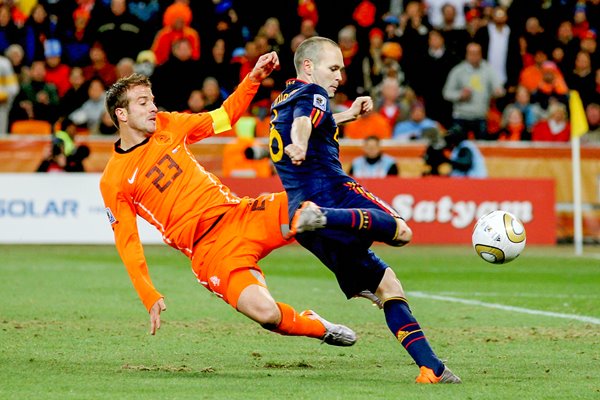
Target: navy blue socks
378	225
408	332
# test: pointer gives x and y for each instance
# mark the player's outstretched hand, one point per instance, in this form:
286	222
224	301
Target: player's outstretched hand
155	315
362	105
264	66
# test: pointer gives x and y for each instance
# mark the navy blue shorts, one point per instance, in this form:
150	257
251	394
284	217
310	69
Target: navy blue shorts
356	269
345	253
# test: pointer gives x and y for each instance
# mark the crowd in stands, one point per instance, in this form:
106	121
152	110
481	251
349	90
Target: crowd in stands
498	70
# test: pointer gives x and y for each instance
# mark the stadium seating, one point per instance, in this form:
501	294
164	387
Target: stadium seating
31	127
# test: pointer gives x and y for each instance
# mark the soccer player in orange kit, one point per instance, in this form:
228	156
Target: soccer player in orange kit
153	174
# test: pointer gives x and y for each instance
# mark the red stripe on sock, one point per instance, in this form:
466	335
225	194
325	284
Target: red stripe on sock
407	325
414	340
353	218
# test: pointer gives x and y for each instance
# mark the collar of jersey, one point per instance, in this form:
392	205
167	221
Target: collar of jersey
121	151
294	80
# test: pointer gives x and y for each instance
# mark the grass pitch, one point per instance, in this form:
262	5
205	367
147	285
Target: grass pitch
72	327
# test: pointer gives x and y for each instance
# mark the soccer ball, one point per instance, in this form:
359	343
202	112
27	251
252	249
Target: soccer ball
499	237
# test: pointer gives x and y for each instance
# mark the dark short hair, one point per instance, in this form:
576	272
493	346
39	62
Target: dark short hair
65	123
116	95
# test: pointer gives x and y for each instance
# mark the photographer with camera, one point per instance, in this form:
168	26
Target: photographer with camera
465	159
65	155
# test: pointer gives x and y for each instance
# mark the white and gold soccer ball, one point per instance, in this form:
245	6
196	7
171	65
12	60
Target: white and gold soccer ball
499	237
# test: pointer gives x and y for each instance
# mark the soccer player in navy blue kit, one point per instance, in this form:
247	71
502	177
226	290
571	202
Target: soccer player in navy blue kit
334	216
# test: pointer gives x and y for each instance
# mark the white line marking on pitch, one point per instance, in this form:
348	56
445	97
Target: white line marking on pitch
581	318
533	295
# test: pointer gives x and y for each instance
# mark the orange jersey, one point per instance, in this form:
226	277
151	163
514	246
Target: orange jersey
161	181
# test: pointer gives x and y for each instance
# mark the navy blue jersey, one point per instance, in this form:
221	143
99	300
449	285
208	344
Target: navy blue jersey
321	170
321	179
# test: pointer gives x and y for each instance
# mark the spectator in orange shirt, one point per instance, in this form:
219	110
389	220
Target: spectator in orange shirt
513	128
176	25
531	76
552	86
370	124
152	174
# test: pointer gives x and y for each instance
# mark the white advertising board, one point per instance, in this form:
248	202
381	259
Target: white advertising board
57	208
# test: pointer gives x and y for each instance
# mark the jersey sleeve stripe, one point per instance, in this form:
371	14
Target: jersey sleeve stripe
316	116
319	118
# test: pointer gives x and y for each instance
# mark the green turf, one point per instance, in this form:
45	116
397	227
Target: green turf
72	327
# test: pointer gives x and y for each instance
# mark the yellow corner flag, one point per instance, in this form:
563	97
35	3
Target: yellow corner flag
579	124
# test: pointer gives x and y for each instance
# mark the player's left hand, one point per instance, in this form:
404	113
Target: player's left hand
362	105
296	153
155	315
264	66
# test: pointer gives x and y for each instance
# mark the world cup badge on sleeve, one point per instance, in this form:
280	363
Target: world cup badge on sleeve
320	102
111	217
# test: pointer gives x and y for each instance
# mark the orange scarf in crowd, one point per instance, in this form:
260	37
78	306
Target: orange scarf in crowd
512	132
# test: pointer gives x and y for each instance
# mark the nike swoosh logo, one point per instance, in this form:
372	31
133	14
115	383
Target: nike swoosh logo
132	179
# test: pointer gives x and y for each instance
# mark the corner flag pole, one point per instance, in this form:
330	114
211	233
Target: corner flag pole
579	127
577	212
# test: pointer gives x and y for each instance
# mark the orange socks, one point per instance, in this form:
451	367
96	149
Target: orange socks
294	324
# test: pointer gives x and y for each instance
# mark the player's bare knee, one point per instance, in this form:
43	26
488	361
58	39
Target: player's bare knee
389	286
267	315
256	303
403	234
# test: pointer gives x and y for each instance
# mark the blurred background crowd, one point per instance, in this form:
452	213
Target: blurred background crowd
494	70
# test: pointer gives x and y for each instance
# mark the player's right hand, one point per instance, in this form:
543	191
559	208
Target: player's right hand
155	315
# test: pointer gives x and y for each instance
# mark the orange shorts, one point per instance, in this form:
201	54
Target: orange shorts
245	234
